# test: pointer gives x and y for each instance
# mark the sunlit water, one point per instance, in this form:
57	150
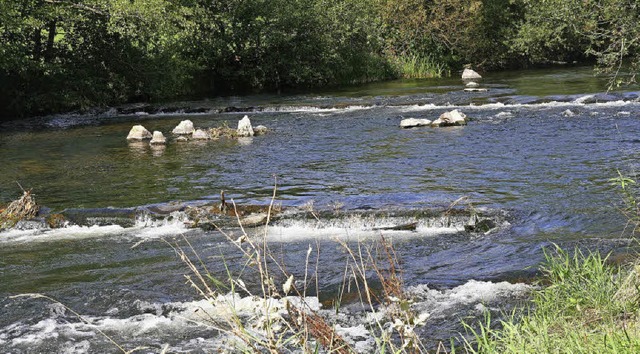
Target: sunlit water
523	156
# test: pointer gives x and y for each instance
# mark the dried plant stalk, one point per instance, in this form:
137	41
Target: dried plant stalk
318	328
24	208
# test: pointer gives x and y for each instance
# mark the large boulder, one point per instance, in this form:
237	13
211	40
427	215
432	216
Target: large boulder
200	134
138	132
451	118
414	122
469	74
158	138
244	127
184	128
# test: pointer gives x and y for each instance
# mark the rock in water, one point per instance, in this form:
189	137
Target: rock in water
451	118
244	127
472	84
568	113
469	74
414	122
185	127
200	134
158	138
138	132
475	89
260	130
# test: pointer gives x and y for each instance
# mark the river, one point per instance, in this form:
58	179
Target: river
537	155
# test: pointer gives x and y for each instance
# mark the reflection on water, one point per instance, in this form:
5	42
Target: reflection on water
157	150
138	148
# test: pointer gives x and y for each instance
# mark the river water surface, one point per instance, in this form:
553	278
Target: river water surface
537	155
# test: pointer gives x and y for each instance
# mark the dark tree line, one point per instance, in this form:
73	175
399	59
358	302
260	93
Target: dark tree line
58	55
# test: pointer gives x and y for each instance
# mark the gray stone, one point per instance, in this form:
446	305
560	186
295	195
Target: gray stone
568	113
260	130
158	138
244	127
184	128
254	220
414	122
200	134
451	118
472	84
182	139
138	132
469	74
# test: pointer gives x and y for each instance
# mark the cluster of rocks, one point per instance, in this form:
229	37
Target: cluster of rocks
186	131
446	119
471	78
451	118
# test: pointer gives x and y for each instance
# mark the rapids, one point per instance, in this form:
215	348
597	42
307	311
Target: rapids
541	172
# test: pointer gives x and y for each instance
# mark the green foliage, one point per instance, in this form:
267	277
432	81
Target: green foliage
553	30
581	310
630	207
58	55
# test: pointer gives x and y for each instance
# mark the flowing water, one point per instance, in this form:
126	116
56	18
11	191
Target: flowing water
537	157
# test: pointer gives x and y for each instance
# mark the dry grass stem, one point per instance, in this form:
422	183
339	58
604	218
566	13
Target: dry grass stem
23	208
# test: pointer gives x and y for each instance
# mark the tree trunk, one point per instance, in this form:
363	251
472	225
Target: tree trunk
48	54
37	44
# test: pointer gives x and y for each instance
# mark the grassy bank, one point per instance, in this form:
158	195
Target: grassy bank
583	306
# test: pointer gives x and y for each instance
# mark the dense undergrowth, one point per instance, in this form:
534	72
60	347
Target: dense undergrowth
66	55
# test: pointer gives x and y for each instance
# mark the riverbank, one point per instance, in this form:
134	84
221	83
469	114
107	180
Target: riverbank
584	306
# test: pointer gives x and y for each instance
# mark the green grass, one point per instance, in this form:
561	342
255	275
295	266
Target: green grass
419	67
584	306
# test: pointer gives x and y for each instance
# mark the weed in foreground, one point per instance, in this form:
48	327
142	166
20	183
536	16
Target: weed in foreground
283	318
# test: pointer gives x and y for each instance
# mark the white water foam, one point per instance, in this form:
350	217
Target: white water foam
144	228
499	105
352	229
147	227
190	325
70	232
312	109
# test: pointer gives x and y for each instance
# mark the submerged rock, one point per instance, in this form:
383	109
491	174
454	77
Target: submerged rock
451	118
200	134
469	74
223	215
138	132
244	127
55	221
184	128
124	217
472	84
158	138
475	89
481	225
414	122
568	113
182	139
